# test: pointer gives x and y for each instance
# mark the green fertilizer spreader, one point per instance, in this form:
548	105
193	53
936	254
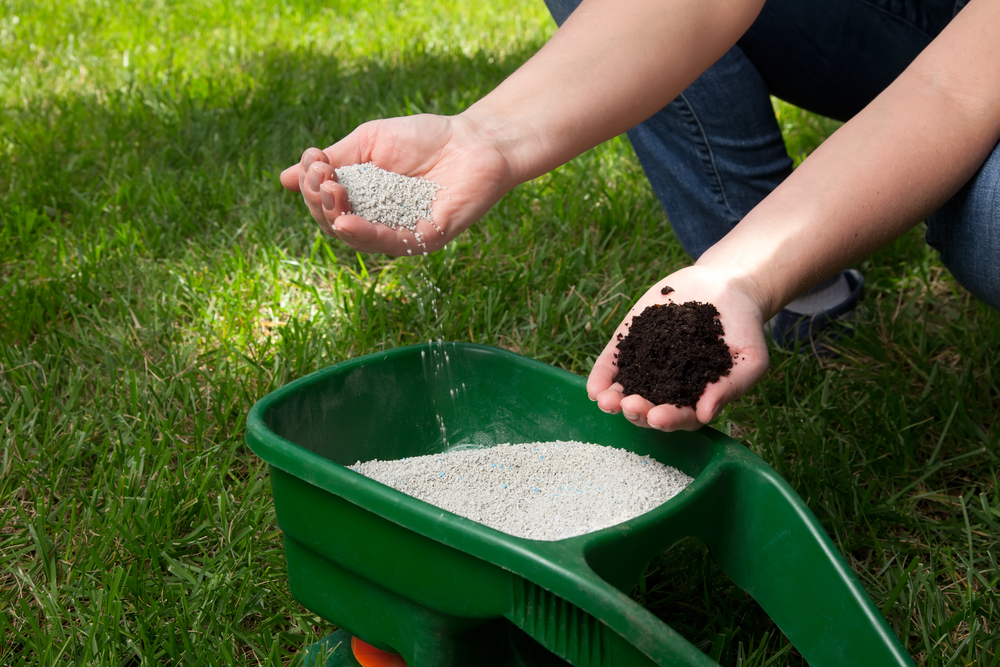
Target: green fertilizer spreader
409	584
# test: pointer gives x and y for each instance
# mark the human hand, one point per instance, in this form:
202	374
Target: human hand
742	321
452	151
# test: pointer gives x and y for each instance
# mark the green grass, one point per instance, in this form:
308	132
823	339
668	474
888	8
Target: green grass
155	282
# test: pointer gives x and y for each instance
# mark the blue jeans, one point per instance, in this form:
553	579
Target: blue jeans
716	151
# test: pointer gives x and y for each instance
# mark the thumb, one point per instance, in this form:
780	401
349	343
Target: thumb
749	366
290	178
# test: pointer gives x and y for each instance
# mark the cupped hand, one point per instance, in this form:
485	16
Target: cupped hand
452	151
742	321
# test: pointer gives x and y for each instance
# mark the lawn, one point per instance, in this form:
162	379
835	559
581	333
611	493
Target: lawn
155	281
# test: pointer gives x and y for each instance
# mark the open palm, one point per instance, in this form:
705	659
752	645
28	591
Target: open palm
741	319
451	151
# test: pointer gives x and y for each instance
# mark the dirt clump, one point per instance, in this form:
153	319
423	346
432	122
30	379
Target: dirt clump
672	352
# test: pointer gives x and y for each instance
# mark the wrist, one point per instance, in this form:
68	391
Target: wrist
737	275
521	148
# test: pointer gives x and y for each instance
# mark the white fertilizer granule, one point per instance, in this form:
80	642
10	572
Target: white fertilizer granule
539	491
383	196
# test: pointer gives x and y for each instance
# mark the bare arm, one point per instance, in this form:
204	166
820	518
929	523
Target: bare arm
899	159
894	163
611	66
608	68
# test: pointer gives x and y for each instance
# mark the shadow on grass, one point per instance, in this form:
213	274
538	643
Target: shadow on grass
178	160
189	168
894	446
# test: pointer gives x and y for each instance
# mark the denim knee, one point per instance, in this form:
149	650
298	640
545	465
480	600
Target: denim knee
561	9
713	153
966	232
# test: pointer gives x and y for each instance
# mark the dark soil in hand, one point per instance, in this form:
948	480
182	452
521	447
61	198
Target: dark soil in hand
671	352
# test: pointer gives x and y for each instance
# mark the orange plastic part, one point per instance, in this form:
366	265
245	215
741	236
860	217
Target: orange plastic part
369	656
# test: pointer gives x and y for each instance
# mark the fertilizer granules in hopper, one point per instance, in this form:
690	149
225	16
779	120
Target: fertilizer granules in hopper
539	491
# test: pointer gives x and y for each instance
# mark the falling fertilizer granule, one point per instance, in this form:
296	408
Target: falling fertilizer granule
386	197
539	491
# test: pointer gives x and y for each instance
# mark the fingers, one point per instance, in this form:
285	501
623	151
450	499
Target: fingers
356	231
313	174
309	157
643	413
749	368
293	178
290	178
328	202
602	376
336	211
610	400
750	363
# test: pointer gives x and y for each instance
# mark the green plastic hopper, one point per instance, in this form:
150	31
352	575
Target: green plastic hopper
444	591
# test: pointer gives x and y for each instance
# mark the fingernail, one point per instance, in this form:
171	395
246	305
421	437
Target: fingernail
606	411
631	416
716	411
325	196
341	232
315	177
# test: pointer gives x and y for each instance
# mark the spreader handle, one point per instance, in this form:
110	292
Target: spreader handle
761	535
772	546
607	629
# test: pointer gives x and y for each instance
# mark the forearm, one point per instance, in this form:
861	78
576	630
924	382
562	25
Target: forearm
897	161
609	67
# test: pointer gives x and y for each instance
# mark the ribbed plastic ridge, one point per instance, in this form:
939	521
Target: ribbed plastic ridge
563	628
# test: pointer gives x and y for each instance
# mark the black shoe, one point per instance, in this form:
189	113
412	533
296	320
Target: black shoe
790	329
